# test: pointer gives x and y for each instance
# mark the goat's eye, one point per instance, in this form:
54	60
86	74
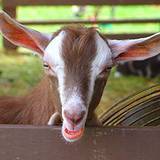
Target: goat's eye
45	65
48	69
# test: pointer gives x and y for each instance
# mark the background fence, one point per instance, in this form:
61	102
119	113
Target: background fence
10	8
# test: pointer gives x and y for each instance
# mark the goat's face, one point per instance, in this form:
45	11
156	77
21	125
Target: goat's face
80	60
77	58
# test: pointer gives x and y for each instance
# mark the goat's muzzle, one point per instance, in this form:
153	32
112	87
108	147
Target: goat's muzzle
73	124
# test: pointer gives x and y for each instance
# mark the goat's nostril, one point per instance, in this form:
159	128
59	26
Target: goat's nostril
82	114
75	118
67	115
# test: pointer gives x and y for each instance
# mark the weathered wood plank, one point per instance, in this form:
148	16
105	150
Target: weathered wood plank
46	143
127	35
79	2
114	21
12	12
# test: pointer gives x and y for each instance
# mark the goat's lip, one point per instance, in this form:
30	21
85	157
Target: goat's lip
73	134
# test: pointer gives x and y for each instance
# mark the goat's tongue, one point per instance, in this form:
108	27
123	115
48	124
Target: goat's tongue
72	134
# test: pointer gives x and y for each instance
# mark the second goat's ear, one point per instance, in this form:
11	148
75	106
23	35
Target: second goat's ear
21	35
136	49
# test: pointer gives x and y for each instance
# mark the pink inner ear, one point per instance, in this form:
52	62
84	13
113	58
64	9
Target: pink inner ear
17	35
23	40
133	54
20	37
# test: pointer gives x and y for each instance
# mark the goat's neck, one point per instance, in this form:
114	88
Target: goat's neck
35	108
41	103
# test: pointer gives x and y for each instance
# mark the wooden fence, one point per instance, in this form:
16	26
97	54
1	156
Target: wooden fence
46	143
10	7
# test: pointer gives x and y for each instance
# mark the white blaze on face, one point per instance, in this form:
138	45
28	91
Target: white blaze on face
53	56
103	58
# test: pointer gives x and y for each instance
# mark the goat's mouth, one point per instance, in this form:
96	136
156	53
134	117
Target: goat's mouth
72	135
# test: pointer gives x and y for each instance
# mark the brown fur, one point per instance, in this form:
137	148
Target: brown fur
35	108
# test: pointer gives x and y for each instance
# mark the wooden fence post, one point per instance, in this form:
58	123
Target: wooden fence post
12	12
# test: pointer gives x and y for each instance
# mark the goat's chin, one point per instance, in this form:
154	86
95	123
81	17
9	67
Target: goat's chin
72	135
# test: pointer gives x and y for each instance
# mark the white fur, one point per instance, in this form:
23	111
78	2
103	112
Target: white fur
102	59
53	119
104	54
74	98
53	56
53	51
74	104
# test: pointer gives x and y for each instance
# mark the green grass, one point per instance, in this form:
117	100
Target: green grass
18	73
118	88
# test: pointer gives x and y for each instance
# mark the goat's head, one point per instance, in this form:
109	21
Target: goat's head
80	60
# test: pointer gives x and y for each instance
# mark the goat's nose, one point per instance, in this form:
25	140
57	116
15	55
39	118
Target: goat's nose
74	118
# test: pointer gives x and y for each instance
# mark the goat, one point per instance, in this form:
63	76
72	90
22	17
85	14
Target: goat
148	68
77	62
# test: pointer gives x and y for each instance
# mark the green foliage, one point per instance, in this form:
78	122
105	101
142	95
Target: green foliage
18	73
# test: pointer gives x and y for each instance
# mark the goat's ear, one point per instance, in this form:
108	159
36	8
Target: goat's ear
136	49
22	36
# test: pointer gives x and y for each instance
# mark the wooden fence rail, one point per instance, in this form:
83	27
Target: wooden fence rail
46	143
115	21
15	3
